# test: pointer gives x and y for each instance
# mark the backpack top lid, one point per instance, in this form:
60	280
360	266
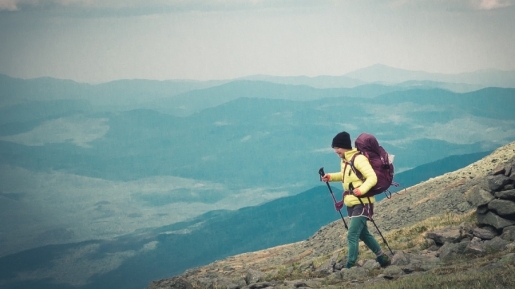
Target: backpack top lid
367	143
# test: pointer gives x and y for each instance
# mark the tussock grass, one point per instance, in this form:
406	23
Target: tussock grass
407	238
412	237
462	273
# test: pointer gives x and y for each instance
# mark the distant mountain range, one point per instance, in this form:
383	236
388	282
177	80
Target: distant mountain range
82	162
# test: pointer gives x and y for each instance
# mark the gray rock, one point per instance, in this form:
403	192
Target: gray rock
500	169
253	276
392	272
482	209
508	233
496	244
260	285
295	283
485	233
502	207
450	250
463	206
327	267
494	220
371	264
497	182
478	197
476	247
173	283
507	194
400	258
446	235
353	273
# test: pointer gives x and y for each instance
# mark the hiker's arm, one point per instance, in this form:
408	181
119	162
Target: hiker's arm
335	177
363	165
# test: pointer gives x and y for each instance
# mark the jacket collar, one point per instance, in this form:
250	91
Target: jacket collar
349	154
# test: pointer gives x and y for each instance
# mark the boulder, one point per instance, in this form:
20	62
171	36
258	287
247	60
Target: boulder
392	272
253	276
476	247
400	258
494	220
485	233
497	182
502	207
478	197
508	233
450	250
506	195
495	245
446	235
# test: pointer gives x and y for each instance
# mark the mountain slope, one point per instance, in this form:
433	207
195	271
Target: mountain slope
422	201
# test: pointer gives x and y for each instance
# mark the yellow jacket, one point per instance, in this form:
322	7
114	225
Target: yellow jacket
362	164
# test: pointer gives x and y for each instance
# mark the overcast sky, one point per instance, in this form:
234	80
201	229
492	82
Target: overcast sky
98	41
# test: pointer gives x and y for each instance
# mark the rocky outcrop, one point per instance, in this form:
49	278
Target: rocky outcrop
494	198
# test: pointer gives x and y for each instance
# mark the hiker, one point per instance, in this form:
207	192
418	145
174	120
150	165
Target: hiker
354	188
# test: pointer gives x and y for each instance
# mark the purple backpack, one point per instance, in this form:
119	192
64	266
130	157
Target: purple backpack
381	162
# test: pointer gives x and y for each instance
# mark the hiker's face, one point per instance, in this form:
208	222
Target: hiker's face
340	152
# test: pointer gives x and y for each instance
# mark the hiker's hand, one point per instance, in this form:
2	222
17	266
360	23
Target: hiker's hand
326	178
357	192
338	205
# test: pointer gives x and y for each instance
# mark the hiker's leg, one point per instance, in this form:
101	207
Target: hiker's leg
370	241
353	235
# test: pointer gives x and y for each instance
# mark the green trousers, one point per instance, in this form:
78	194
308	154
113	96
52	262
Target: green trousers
358	230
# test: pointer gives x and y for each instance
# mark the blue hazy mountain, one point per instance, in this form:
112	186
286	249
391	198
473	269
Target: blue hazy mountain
82	162
206	238
278	138
385	74
260	142
114	95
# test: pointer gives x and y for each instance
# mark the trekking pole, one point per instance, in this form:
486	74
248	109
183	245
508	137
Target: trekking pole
384	240
321	173
351	189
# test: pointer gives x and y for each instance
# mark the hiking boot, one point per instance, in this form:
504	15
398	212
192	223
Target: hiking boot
383	260
350	265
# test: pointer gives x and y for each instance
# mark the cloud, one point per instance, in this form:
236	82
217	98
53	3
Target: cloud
158	6
493	4
14	5
451	5
469	130
77	129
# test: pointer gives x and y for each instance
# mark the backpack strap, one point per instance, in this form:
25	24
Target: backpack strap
353	168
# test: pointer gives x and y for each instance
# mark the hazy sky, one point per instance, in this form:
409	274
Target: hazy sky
99	40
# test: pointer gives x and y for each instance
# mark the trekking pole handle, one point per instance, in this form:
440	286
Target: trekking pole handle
321	172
